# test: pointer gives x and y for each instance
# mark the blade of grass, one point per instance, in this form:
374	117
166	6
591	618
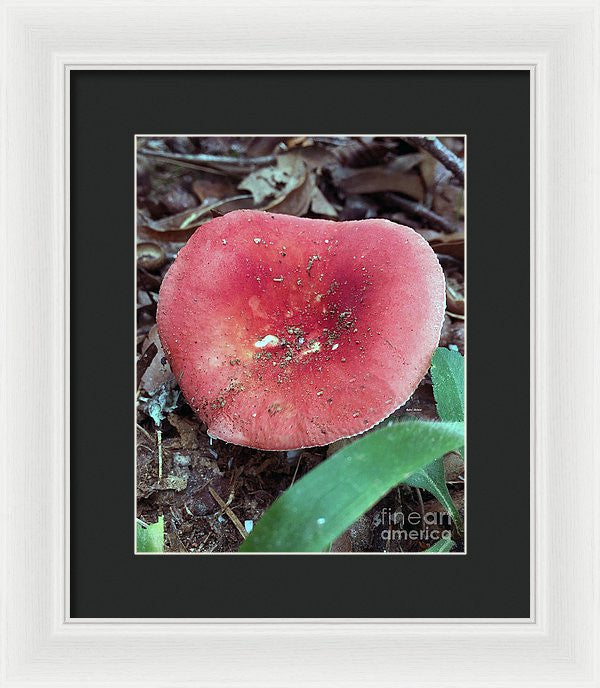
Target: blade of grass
312	513
448	377
442	545
432	478
150	537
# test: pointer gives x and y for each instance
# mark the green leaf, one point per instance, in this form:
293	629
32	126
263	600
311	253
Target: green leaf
150	537
448	377
442	545
326	501
433	479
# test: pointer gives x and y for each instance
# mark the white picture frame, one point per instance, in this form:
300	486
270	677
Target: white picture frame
558	43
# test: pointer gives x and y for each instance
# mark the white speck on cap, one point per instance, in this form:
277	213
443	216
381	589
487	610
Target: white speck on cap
267	340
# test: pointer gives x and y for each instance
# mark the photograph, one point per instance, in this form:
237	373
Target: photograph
300	344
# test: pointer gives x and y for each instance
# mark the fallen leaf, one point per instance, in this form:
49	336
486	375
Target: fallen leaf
145	359
158	371
455	299
320	205
362	152
258	146
275	181
298	141
189	220
396	176
316	156
213	187
433	173
449	244
187	430
449	201
297	201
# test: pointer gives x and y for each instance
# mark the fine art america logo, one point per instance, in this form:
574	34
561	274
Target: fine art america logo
397	525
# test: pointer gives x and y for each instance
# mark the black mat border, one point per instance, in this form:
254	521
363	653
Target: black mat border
107	109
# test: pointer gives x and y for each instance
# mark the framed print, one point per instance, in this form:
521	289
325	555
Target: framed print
247	263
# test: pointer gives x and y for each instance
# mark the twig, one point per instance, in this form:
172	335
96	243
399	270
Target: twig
204	159
419	210
437	149
234	519
421	505
296	471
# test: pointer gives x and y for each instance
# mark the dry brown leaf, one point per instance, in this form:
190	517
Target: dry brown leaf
159	370
186	222
316	156
145	360
213	188
320	205
449	201
362	152
287	187
187	430
396	176
455	299
449	244
258	146
275	181
433	173
171	242
298	141
297	201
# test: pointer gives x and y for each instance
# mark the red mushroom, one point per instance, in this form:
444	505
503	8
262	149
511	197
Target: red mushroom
288	332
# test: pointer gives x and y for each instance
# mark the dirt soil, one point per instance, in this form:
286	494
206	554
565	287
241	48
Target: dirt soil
208	490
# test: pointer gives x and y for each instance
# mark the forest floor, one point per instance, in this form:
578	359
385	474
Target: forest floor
202	486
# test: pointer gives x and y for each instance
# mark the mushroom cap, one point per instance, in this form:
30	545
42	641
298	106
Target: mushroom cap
288	332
